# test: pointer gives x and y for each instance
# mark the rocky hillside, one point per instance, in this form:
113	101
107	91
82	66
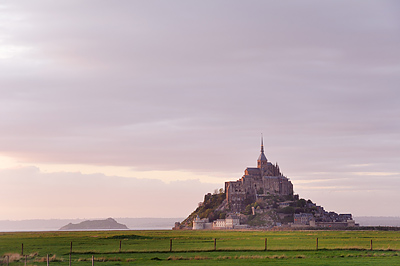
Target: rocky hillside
213	207
109	223
265	212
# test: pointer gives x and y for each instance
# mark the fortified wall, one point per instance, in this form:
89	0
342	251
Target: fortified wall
266	179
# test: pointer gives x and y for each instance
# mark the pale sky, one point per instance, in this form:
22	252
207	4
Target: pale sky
139	108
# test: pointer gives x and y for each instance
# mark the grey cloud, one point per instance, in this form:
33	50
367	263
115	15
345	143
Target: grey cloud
353	181
179	85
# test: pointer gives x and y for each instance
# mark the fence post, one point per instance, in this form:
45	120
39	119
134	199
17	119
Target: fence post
170	245
22	249
47	259
120	245
371	244
92	260
316	247
26	259
265	245
70	253
215	244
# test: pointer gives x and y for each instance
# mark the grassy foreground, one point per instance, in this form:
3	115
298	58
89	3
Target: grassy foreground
197	248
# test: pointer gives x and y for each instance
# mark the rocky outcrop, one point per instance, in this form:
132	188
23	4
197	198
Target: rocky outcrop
109	224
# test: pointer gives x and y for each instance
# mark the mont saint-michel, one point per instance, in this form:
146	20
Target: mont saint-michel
262	198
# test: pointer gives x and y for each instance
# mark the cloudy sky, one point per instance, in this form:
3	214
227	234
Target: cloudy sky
139	108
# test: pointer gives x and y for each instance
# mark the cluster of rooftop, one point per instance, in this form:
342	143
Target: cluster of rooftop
322	218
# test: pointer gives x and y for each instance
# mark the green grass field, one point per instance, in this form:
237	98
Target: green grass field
197	247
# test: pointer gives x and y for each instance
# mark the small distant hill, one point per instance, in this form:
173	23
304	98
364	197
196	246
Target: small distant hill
109	223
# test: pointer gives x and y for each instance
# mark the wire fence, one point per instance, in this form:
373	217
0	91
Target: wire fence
192	245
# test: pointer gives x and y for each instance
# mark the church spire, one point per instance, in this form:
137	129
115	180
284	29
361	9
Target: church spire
262	160
262	143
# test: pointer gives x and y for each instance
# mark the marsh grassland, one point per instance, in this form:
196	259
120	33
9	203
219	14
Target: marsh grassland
201	248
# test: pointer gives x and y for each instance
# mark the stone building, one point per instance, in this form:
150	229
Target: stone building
265	179
303	218
199	224
230	222
219	223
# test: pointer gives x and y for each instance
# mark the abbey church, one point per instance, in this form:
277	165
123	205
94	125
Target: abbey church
256	183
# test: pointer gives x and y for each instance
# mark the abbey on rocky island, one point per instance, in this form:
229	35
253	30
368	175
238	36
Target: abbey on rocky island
262	198
256	183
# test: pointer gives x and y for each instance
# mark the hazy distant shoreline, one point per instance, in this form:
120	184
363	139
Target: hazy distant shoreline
149	223
56	224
